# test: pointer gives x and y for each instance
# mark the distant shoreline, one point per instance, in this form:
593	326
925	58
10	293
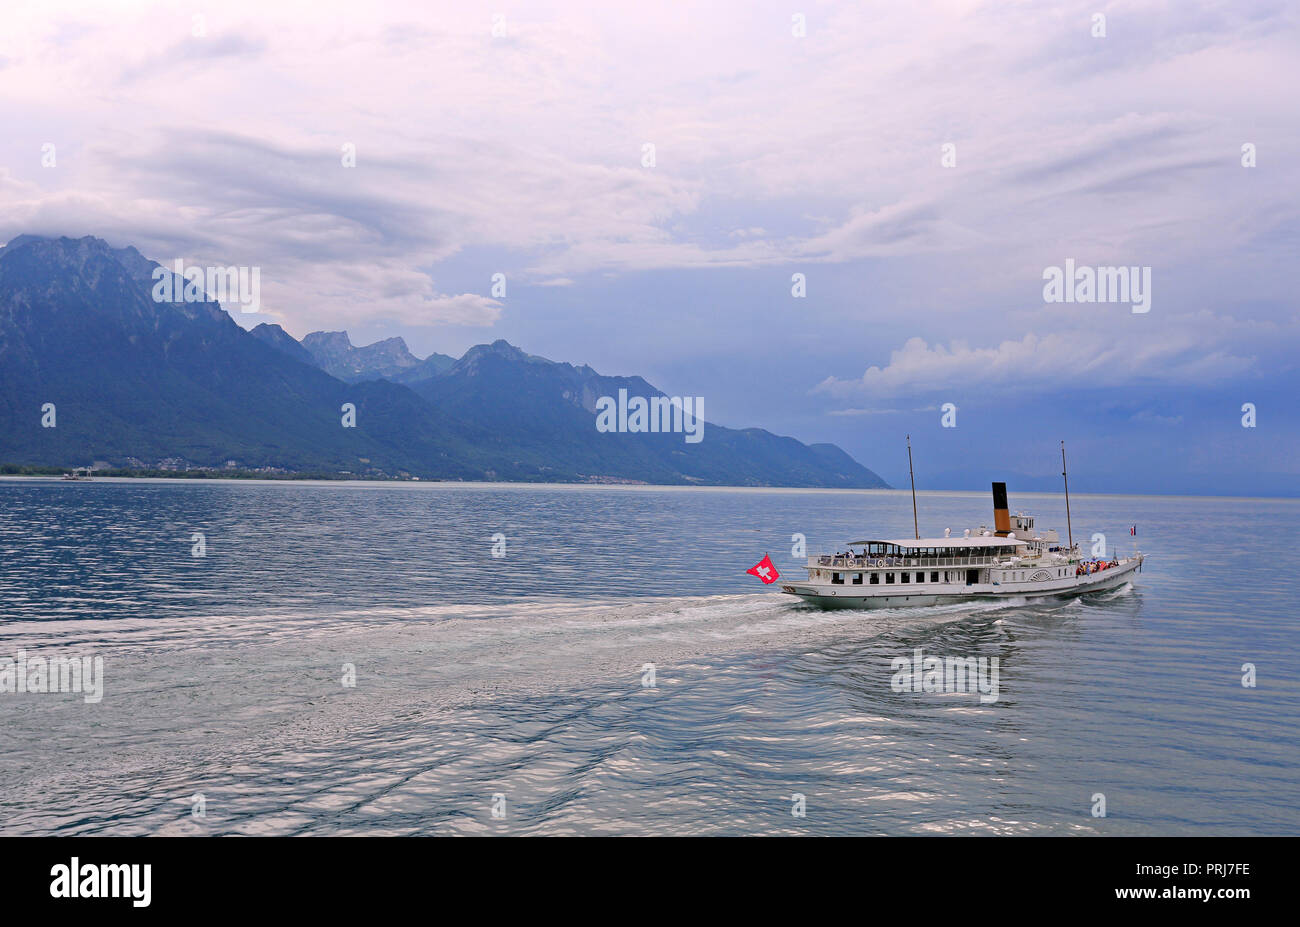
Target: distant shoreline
55	477
14	471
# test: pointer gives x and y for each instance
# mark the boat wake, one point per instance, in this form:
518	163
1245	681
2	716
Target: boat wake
235	707
686	622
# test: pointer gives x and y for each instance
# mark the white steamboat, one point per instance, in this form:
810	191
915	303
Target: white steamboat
1012	561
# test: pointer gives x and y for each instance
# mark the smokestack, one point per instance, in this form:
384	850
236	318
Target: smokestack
1001	517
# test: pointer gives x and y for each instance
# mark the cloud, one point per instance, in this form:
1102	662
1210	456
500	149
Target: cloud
1101	355
1147	417
464	309
196	51
771	150
855	412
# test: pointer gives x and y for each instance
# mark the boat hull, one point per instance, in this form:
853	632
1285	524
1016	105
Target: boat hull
826	595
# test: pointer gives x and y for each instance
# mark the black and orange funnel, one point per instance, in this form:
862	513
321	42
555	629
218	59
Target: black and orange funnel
1001	515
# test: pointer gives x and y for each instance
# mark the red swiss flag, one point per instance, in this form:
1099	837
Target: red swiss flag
764	570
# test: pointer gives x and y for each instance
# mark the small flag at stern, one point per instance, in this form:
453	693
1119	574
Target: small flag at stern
765	570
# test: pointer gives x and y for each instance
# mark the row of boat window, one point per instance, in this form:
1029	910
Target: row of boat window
838	578
949	576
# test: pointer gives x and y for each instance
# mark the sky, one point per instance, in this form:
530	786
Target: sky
649	179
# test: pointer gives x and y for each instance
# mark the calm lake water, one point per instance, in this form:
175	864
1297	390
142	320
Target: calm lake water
517	681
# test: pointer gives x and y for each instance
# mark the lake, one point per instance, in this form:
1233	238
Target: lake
511	693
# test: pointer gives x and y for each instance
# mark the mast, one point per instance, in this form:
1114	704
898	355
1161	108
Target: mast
1068	527
916	531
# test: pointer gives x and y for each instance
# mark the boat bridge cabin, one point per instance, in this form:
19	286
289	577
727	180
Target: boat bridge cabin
926	552
876	562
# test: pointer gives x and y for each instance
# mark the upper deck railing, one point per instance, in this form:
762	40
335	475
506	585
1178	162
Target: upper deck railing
859	563
825	560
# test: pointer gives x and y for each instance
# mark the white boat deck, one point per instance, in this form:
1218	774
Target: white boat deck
895	587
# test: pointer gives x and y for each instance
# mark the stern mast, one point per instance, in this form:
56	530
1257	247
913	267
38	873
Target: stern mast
916	531
1068	526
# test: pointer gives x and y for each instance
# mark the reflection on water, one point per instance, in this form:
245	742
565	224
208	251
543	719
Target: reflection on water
523	675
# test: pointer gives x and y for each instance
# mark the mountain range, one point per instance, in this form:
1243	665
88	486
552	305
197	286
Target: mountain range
94	368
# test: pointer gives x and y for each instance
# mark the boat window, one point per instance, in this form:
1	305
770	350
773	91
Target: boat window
837	578
875	579
906	577
857	579
889	578
934	577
